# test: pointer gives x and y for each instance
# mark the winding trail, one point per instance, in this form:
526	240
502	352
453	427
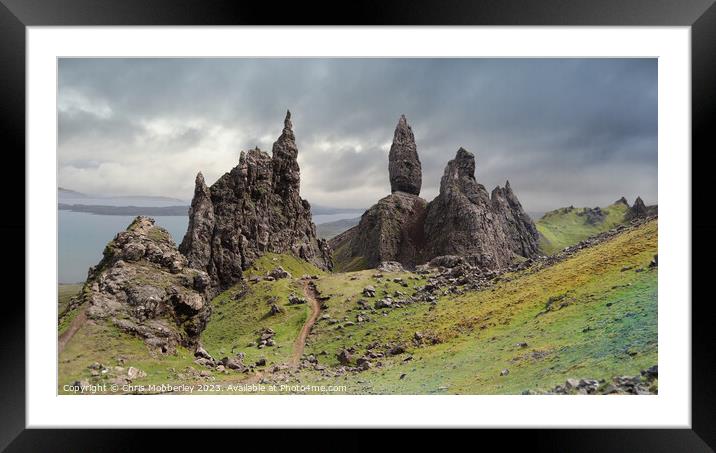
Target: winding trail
309	290
71	330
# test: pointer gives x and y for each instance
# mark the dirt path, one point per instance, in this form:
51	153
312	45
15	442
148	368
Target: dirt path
309	290
71	330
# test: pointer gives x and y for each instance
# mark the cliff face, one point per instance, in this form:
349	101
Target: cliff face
520	230
391	230
462	220
254	209
143	285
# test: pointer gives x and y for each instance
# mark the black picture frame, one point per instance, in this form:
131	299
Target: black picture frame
700	15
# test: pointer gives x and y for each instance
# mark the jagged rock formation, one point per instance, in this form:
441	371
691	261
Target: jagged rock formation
462	220
404	167
520	229
197	240
640	210
144	286
254	209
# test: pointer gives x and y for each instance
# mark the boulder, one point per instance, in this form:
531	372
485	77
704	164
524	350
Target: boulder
344	357
279	273
369	291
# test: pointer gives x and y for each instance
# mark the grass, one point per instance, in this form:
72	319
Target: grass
593	315
233	325
567	226
331	333
104	343
235	321
344	262
65	292
603	323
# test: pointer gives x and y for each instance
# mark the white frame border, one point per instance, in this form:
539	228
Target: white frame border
671	408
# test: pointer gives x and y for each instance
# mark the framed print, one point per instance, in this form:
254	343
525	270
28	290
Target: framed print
408	221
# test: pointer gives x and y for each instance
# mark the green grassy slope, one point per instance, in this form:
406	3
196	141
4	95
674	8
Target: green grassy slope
604	323
103	343
342	259
567	226
232	326
601	321
235	322
65	292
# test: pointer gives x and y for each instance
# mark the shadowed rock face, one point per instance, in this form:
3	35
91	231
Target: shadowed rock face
197	241
462	219
403	163
144	286
391	230
520	230
254	209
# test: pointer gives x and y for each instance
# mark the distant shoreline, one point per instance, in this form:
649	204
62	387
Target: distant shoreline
179	211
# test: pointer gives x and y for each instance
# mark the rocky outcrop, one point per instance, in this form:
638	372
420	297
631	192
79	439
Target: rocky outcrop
197	241
391	230
254	209
403	163
623	201
519	228
143	286
640	210
463	220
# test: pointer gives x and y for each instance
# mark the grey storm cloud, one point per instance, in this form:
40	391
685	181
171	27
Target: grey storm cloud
577	132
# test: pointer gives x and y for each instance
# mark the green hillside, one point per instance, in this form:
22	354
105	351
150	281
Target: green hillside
593	315
567	226
584	317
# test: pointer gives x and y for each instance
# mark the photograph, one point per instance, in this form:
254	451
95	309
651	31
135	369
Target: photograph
357	226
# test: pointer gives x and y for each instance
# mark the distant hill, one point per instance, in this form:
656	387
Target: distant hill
567	226
126	210
330	229
324	210
70	197
62	192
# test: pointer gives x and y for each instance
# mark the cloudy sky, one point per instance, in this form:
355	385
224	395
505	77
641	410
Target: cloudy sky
577	132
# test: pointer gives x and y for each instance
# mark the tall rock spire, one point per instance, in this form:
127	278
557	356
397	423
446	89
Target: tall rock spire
286	173
403	162
254	209
196	245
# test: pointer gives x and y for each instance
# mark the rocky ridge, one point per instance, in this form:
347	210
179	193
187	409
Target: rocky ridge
639	210
144	286
462	220
254	209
